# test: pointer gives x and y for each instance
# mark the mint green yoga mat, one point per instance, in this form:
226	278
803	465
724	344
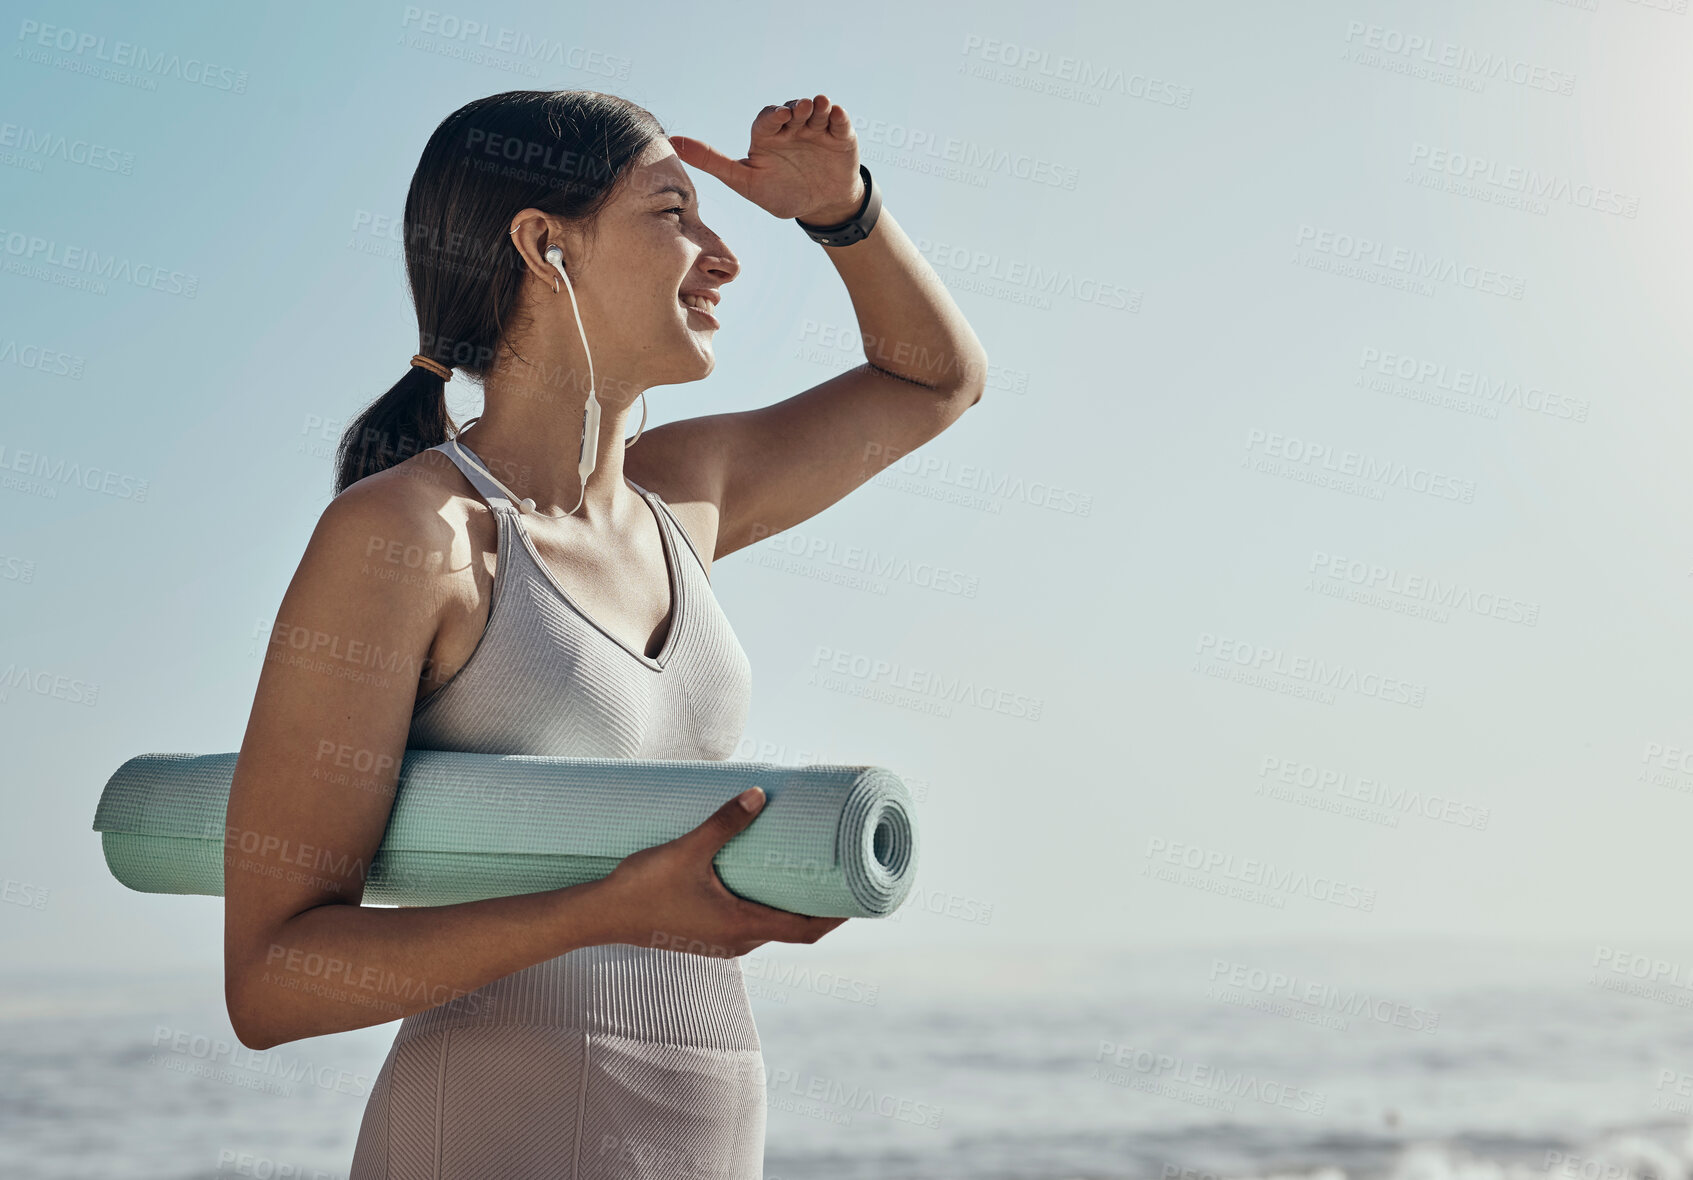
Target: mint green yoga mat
832	841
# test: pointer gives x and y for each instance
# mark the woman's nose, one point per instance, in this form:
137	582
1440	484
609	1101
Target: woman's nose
720	260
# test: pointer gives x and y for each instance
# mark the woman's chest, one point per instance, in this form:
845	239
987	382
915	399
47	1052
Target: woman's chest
547	680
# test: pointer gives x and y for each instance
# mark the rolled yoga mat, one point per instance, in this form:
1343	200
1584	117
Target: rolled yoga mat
831	841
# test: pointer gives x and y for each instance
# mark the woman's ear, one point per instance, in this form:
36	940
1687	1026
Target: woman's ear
532	233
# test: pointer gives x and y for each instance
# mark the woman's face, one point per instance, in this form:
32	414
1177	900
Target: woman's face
649	247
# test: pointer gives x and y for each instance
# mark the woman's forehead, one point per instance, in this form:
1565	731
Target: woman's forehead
661	174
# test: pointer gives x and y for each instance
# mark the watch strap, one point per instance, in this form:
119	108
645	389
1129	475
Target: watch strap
855	228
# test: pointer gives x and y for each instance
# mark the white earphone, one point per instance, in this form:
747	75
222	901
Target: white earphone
590	453
588	457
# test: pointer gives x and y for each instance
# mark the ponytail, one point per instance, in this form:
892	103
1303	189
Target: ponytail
410	417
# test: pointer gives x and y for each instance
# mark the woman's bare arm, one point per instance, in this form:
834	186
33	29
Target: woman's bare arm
314	785
315	782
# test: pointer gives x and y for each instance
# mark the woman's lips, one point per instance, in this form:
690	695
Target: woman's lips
704	315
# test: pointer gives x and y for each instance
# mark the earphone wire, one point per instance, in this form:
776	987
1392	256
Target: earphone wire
590	419
468	458
494	479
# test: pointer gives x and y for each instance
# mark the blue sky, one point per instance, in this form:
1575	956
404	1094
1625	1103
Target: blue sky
1328	499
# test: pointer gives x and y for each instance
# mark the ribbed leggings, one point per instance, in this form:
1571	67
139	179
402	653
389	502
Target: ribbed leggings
608	1062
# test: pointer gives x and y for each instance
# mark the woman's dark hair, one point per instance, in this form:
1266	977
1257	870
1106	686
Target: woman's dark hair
560	151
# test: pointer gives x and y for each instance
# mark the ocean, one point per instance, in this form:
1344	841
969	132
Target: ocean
1410	1061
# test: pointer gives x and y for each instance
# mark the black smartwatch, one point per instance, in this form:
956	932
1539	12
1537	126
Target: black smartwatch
855	228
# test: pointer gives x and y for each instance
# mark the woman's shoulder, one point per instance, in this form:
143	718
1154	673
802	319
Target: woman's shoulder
418	514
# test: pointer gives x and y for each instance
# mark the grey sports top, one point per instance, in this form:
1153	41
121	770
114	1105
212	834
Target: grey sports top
545	678
609	1060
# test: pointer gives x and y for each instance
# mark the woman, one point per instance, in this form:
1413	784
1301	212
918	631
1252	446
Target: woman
523	586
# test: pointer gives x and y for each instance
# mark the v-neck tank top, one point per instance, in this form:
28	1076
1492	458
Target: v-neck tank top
613	1060
545	678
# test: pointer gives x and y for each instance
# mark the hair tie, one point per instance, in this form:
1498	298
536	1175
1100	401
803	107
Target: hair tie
436	367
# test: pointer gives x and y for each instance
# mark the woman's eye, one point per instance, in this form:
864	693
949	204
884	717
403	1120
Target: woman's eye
676	209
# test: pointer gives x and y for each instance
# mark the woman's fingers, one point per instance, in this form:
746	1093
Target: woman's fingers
803	114
708	159
780	172
813	113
